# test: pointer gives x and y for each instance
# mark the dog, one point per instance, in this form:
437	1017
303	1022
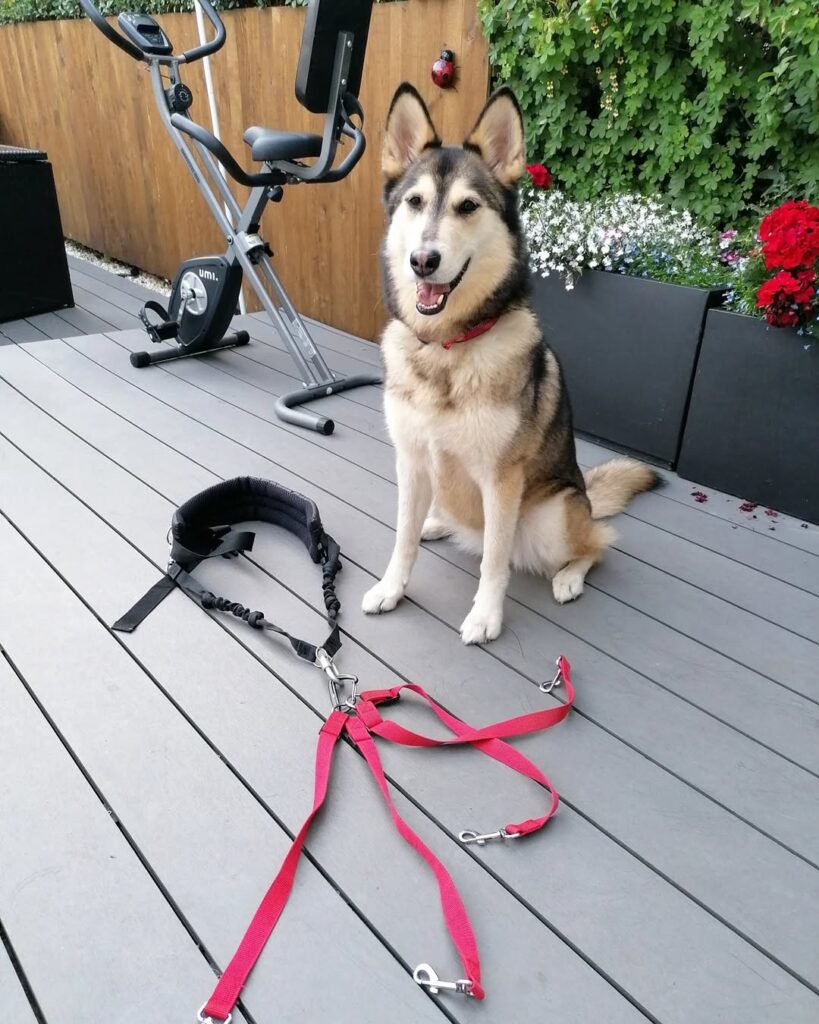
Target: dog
474	398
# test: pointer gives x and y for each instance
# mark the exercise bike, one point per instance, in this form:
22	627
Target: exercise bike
205	291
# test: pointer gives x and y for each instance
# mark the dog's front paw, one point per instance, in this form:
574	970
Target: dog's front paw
383	597
482	625
567	585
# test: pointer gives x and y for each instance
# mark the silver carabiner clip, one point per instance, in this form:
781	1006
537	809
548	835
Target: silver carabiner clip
556	680
469	836
336	680
424	976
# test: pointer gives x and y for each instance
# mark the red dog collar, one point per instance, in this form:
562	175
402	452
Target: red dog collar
474	332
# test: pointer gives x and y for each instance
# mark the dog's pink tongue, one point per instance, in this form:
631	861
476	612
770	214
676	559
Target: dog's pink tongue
427	293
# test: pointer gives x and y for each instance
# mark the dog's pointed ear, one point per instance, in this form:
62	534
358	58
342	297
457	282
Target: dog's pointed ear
408	133
498	137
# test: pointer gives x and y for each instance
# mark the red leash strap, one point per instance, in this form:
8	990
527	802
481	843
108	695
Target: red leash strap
455	915
361	720
487	740
226	993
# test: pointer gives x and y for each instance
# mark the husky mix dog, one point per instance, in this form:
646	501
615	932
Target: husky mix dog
474	397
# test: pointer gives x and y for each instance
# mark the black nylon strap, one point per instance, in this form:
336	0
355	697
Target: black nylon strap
145	605
234	542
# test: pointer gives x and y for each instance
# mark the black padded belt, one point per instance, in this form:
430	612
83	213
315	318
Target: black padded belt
201	528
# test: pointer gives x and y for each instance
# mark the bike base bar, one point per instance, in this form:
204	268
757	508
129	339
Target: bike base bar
286	406
140	359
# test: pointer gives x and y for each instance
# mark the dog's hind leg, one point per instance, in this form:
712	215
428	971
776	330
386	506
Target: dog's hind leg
414	497
501	510
586	541
567	584
435	528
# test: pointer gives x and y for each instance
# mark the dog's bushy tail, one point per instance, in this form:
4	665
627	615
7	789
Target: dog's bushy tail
612	485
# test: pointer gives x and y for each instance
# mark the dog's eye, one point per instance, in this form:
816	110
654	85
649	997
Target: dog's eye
415	202
467	206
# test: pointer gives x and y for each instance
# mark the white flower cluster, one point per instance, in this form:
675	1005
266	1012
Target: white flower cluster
627	234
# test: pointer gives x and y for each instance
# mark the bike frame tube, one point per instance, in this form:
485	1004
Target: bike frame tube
313	369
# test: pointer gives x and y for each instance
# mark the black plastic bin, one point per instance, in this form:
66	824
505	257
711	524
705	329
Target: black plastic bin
33	266
753	423
628	347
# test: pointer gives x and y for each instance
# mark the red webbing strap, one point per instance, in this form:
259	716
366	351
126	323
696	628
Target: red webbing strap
264	920
455	915
363	720
487	739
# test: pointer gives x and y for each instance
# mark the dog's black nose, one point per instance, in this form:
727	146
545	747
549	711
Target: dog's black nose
425	261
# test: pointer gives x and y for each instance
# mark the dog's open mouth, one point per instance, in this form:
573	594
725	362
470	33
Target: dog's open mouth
432	298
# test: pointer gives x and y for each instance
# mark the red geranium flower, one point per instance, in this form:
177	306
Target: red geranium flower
541	176
787	297
790	235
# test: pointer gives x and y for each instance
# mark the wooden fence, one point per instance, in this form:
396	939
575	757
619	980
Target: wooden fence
124	190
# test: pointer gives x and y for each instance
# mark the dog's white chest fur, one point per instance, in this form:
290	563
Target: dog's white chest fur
441	400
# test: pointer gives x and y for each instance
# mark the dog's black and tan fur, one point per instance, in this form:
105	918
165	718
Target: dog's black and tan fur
483	429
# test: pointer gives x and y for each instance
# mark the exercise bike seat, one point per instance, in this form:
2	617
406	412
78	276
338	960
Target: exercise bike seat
267	145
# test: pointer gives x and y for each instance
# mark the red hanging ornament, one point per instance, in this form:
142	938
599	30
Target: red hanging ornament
443	70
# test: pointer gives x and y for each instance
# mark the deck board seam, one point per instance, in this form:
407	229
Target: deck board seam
16	966
296	431
98	793
519	601
338	888
538	915
335	885
486	651
261	318
590	583
397	786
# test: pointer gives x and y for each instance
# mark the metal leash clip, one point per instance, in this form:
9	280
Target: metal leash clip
211	1020
424	976
469	836
556	680
336	681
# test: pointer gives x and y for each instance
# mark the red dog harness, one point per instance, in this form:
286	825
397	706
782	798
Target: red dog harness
200	529
358	717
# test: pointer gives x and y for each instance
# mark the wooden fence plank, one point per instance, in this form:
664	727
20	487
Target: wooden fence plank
146	210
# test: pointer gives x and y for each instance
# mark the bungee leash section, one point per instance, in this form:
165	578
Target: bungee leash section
201	528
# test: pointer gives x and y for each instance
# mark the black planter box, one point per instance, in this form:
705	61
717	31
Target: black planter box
628	347
33	265
753	422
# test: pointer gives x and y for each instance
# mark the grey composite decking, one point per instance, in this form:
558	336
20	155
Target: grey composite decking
150	781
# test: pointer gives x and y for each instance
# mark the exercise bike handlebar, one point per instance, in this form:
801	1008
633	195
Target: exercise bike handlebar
218	41
110	33
118	39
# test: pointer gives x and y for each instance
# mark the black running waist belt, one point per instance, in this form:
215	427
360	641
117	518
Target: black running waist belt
201	528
